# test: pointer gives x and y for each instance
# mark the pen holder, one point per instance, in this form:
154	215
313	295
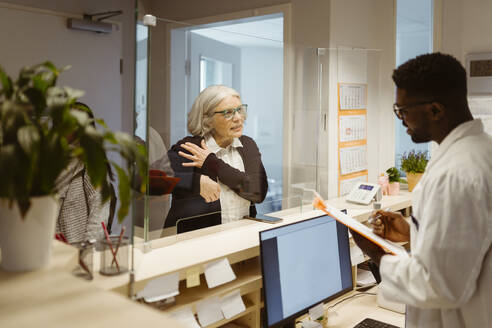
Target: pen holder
85	267
114	255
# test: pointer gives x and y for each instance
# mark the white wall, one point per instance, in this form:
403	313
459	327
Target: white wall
467	28
119	118
365	24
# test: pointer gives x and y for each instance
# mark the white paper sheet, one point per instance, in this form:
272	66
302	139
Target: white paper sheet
352	127
359	227
160	288
356	255
186	317
218	273
352	96
316	311
232	304
365	278
353	159
209	311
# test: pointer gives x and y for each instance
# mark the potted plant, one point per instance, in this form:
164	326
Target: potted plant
394	179
414	163
39	135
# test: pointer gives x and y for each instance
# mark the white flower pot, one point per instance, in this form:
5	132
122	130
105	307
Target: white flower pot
26	242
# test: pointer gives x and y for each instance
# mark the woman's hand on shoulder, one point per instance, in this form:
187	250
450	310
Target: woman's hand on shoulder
197	156
209	189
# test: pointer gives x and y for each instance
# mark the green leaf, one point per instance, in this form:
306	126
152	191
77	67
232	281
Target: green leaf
73	93
8	160
25	76
28	138
105	191
82	118
109	136
414	161
393	174
101	122
6	84
94	158
123	192
36	97
54	158
52	67
42	82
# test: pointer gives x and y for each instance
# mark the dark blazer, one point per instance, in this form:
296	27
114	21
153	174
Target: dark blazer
186	200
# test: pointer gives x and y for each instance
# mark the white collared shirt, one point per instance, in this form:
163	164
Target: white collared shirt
447	281
233	206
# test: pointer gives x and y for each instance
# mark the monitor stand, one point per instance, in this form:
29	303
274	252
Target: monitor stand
290	324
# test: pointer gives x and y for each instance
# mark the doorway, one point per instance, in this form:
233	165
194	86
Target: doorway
246	54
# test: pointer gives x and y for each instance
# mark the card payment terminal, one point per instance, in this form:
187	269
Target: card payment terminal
364	192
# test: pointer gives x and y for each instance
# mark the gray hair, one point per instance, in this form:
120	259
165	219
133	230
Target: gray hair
201	113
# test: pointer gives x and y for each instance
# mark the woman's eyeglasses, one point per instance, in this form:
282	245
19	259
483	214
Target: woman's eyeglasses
229	113
400	111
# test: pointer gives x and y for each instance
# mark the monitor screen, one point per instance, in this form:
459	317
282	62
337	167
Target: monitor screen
303	264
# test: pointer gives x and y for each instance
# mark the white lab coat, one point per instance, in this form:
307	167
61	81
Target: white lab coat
447	280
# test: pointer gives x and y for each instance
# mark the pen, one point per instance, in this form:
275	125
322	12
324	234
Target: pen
118	245
106	234
373	219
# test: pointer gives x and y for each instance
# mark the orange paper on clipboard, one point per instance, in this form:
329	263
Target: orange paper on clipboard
355	225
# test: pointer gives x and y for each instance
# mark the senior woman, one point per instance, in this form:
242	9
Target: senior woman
220	168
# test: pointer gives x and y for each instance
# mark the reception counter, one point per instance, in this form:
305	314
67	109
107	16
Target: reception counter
53	297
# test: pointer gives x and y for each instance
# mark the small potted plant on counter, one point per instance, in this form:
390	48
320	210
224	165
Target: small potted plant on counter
414	163
394	178
40	134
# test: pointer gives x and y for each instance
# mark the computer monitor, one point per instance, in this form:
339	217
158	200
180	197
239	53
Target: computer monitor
303	264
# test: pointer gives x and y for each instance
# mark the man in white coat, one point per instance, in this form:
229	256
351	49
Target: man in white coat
447	279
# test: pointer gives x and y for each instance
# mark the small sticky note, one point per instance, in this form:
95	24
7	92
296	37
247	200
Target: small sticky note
193	277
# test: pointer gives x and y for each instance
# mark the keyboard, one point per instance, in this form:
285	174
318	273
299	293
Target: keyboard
371	323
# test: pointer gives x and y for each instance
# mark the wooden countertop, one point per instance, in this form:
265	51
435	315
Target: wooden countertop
237	241
53	297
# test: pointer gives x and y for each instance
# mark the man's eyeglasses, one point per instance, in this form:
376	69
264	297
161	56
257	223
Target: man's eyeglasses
229	113
400	111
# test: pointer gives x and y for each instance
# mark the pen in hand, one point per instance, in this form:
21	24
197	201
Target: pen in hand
372	220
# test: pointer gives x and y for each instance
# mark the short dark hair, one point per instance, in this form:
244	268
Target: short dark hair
436	76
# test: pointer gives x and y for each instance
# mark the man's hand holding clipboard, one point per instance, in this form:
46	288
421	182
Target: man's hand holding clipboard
372	244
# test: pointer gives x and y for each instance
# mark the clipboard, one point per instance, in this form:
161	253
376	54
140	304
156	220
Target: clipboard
160	183
355	225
